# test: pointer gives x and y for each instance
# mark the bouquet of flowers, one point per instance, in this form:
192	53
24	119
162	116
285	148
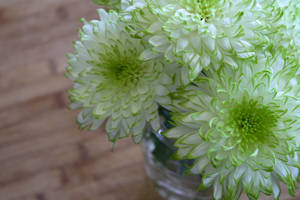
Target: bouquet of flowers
228	70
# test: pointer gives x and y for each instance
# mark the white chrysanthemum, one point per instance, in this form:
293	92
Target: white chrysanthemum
197	33
112	82
242	127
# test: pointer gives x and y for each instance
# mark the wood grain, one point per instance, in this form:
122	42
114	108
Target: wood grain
43	156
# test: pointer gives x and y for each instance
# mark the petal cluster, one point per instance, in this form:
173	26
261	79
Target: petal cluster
289	35
199	33
112	82
242	127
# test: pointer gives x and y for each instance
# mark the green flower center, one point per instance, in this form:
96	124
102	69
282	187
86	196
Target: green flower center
127	73
121	69
124	74
253	123
206	8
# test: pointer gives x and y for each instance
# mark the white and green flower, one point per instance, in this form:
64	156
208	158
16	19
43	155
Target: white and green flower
242	127
197	33
112	82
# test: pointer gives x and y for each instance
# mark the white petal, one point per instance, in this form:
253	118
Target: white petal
217	190
199	165
158	40
177	132
161	90
181	45
148	55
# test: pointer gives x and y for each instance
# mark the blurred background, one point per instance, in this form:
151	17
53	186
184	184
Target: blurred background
42	154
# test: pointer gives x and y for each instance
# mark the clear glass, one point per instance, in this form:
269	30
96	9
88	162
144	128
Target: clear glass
167	174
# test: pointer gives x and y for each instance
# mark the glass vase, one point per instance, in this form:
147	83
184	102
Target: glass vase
169	175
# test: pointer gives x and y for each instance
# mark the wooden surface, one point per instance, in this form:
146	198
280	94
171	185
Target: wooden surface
42	154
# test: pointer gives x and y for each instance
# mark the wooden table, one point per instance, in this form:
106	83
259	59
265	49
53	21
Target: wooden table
42	154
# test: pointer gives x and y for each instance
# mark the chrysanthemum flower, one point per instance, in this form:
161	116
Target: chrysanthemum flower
197	33
242	127
112	82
